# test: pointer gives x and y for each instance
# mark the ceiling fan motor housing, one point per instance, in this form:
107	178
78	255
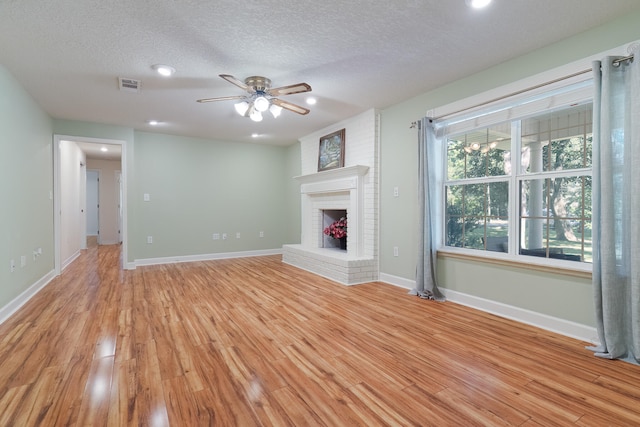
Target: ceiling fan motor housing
258	83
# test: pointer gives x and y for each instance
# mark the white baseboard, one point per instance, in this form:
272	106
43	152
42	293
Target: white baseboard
203	257
543	321
397	281
15	304
69	260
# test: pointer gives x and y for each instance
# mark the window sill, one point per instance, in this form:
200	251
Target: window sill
546	267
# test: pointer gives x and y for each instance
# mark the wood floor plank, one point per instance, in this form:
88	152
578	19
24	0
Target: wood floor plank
255	342
94	410
11	404
122	402
65	411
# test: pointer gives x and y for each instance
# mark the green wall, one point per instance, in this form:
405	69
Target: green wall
26	180
199	187
560	296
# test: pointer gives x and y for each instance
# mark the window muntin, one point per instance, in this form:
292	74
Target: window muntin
552	217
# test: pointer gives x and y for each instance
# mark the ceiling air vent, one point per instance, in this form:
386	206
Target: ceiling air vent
129	85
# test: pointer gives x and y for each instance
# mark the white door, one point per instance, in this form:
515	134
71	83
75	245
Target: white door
93	203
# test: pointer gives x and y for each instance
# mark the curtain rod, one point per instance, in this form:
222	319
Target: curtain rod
615	62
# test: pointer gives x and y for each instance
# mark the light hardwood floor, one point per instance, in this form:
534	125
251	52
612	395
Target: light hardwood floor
251	342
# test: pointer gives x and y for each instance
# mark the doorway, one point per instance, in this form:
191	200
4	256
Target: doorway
74	219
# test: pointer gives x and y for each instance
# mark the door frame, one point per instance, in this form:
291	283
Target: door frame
57	217
119	201
86	206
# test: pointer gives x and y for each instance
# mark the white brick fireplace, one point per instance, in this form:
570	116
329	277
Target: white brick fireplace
354	189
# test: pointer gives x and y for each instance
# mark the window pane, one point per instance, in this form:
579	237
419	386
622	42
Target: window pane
560	140
556	218
497	239
455	220
480	153
477	216
455	159
474	200
498	199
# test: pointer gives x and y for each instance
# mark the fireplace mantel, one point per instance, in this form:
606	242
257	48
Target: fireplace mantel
334	189
333	174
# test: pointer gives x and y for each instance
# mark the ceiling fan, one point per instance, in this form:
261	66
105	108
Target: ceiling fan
261	97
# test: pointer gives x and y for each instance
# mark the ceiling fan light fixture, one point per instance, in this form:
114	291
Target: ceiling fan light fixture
164	70
256	116
242	107
261	103
261	97
275	110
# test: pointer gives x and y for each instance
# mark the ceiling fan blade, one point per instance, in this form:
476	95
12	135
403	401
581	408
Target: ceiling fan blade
289	106
233	80
222	98
291	89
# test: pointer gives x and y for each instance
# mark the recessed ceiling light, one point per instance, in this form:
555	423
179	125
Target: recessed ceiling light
104	149
153	122
478	4
164	70
311	101
255	135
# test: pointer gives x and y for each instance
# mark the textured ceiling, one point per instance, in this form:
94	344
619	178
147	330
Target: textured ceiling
355	55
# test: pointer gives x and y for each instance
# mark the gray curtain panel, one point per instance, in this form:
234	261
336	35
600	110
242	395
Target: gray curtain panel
616	207
428	157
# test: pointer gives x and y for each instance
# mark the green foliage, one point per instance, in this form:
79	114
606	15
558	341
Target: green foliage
458	227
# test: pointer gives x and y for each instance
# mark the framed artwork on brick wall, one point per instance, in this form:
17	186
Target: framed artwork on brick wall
331	151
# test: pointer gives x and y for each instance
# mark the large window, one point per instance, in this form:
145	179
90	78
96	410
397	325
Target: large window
537	203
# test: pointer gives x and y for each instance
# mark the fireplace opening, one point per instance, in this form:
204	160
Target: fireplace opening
334	228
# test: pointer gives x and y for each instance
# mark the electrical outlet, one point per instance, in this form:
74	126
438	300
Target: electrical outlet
23	261
224	236
146	197
237	235
216	236
149	239
396	192
12	265
395	251
262	234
